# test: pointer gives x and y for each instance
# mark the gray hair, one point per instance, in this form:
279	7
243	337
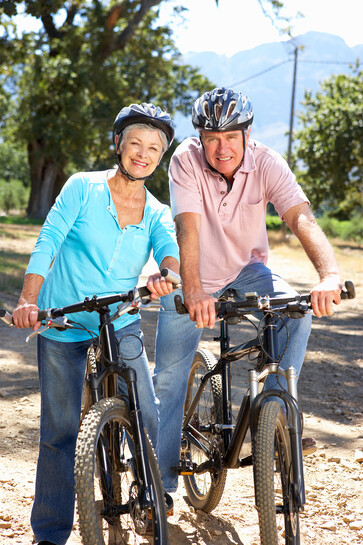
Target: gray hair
146	126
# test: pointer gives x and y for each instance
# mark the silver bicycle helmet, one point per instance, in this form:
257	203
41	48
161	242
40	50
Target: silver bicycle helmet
144	113
222	110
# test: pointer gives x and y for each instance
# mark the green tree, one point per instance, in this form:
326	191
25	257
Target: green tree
63	84
71	78
330	144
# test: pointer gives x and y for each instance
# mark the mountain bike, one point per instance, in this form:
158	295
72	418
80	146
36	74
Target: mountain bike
211	441
120	497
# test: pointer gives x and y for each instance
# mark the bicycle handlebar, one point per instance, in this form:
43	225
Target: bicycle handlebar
96	303
257	302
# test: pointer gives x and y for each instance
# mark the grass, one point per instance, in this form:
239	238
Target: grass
20	220
12	270
17	237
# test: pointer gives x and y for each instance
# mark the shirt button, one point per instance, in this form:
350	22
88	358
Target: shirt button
224	204
222	192
221	179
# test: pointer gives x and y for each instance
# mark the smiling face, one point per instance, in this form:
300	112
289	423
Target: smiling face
224	150
141	151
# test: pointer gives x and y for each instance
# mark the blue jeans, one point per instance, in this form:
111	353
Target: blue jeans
61	374
176	342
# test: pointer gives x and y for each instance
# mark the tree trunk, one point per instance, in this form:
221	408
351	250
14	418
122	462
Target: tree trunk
44	176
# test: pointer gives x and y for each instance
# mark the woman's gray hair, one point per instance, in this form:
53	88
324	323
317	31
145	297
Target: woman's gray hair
146	126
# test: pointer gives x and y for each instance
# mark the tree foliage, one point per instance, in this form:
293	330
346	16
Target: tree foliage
330	144
63	85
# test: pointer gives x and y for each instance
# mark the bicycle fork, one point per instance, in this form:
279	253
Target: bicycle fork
293	420
108	447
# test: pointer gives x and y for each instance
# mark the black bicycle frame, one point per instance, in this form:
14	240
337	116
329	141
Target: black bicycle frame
248	416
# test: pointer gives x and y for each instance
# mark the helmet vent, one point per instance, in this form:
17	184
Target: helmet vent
231	108
206	109
217	111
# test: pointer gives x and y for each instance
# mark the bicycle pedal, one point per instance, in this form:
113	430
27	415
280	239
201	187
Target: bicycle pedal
185	467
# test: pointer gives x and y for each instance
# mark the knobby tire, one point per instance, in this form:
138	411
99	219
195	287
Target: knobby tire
278	517
135	525
205	490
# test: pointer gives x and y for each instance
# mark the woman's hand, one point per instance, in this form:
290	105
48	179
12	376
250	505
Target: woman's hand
26	315
158	286
26	312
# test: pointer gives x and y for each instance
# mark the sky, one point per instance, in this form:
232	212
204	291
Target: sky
237	25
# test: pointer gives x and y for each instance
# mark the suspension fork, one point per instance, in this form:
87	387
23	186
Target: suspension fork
142	465
289	398
294	426
108	447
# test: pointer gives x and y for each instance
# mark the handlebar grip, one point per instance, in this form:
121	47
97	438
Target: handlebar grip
143	292
6	317
180	308
350	293
171	276
42	315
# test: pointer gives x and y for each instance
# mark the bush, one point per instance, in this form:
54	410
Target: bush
273	222
13	195
346	230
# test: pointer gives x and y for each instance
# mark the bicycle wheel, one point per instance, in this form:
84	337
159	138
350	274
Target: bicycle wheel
204	490
109	501
278	517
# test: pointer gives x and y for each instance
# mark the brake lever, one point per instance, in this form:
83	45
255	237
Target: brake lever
60	323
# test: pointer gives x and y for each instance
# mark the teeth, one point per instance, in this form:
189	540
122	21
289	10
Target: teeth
141	164
224	158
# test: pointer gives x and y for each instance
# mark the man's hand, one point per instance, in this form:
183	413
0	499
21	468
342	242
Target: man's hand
158	286
26	315
324	295
201	308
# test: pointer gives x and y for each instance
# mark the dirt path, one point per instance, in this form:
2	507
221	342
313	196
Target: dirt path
331	396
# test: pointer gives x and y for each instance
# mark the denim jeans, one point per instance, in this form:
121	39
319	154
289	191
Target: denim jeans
61	375
176	342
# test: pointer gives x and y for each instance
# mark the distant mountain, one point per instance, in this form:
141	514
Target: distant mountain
271	89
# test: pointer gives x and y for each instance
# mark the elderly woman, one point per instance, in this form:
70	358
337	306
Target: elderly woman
95	240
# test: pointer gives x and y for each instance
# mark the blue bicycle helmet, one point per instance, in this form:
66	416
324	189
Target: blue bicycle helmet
144	113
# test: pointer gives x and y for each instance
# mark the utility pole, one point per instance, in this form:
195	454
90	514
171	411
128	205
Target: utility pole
292	108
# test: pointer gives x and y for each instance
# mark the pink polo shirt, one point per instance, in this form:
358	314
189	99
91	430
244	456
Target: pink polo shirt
233	225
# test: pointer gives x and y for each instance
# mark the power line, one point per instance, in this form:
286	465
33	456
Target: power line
331	62
291	60
259	73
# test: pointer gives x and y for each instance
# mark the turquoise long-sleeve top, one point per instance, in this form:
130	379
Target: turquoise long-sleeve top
82	251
